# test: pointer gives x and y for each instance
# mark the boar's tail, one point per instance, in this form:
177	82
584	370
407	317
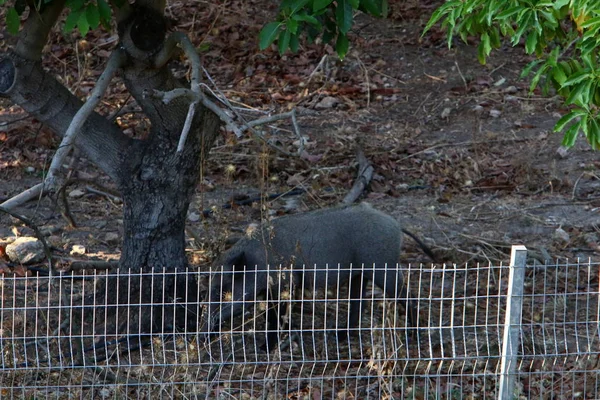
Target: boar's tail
422	245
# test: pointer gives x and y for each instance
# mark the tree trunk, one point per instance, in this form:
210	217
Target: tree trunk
156	200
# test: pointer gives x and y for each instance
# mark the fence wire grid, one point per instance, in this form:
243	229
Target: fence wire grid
61	338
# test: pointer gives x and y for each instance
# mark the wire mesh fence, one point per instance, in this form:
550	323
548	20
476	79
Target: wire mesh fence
295	334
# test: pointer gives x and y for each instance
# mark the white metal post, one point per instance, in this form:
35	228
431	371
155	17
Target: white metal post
512	322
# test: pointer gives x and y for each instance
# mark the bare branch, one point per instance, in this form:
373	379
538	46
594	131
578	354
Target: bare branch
114	63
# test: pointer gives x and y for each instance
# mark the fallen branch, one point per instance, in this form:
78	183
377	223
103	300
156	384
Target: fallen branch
365	174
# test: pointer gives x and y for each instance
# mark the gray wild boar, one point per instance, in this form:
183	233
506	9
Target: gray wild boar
322	250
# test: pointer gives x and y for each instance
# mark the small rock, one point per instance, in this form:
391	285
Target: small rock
500	82
562	235
562	151
478	109
77	193
511	90
25	250
495	113
511	99
111	237
327	102
193	216
77	250
446	112
100	224
557	115
30	170
591	238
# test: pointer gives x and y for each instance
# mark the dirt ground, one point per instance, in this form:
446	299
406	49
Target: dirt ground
463	154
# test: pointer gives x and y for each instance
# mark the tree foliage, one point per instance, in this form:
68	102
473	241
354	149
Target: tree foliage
332	20
562	34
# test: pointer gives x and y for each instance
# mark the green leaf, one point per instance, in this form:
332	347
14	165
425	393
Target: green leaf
268	34
292	26
538	75
442	10
524	23
71	20
284	41
577	77
371	7
306	18
296	5
104	12
75	5
510	12
558	4
571	135
531	42
594	132
204	47
484	48
12	21
354	4
527	70
342	45
580	94
83	24
93	15
559	75
566	119
294	43
590	22
343	15
320	4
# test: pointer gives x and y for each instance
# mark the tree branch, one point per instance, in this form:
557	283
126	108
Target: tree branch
34	35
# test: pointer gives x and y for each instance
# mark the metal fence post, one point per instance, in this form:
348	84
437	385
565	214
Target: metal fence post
512	322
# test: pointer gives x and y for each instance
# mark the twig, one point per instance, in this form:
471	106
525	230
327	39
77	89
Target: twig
461	76
573	193
109	196
317	68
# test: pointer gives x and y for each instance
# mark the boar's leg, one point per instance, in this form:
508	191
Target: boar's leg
272	336
391	281
357	293
276	310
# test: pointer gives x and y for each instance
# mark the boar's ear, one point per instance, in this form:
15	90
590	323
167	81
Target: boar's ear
237	261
